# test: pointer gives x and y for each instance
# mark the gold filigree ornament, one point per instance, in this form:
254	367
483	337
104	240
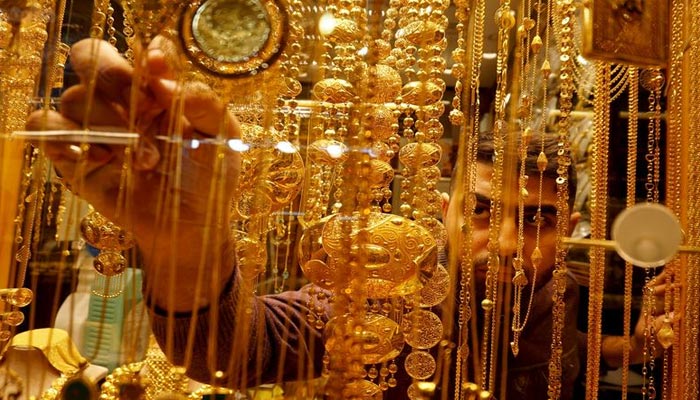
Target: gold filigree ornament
420	365
273	171
110	239
124	383
234	37
402	255
363	389
380	337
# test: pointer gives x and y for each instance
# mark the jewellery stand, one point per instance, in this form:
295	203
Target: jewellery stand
646	235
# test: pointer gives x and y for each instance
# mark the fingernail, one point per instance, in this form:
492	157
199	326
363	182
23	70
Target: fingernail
155	52
147	156
168	84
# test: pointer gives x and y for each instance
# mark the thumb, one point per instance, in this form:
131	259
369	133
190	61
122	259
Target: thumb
202	107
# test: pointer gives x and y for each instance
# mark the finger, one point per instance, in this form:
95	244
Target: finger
660	278
113	74
47	120
65	155
201	106
74	105
162	59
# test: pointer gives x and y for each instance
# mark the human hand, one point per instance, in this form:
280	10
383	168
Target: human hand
188	178
654	319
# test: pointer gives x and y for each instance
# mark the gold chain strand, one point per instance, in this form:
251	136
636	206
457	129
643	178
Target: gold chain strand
672	383
632	130
656	119
562	18
457	116
631	181
467	167
599	194
457	119
22	235
490	304
129	33
691	311
648	303
689	344
111	30
471	165
652	80
668	300
520	279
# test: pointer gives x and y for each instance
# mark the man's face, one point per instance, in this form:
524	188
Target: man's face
508	237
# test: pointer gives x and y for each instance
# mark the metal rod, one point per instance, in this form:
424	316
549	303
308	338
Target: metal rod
611	245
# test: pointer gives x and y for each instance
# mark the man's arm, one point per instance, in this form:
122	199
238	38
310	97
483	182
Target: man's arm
270	335
168	212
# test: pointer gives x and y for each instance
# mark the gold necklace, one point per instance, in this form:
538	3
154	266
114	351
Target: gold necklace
653	81
599	195
631	196
564	21
691	309
466	159
491	304
674	177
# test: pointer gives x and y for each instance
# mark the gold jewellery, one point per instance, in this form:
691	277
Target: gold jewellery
110	239
212	34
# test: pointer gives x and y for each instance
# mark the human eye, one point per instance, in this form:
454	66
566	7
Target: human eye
543	219
482	210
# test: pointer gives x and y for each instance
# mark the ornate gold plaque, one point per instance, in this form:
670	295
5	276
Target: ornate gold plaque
626	31
234	37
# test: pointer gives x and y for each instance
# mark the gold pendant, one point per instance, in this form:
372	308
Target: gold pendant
665	335
234	37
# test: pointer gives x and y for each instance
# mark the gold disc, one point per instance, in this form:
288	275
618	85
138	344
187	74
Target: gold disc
234	37
422	329
420	365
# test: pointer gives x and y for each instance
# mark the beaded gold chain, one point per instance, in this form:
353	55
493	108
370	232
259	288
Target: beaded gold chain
564	21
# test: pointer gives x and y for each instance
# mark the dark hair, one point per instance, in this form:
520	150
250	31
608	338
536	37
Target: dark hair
486	149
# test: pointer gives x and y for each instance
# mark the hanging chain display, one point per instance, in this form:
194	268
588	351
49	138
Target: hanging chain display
341	103
599	197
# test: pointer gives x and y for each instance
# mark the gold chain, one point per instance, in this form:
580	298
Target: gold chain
632	130
457	118
691	313
675	171
599	197
490	304
564	21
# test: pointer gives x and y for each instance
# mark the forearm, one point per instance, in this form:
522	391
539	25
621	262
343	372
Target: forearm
254	339
187	271
206	341
613	349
